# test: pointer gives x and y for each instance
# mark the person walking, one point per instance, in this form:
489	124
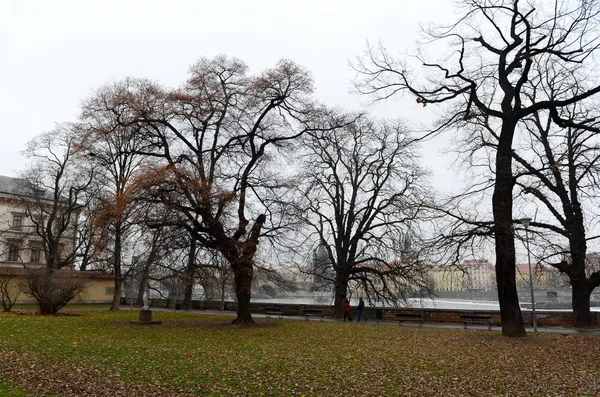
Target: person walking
347	315
361	310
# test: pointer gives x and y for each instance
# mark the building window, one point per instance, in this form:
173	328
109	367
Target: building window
17	222
110	291
37	223
35	254
13	252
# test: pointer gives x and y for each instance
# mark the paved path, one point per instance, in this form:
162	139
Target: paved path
558	330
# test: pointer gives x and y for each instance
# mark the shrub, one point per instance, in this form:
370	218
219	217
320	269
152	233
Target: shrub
51	290
9	292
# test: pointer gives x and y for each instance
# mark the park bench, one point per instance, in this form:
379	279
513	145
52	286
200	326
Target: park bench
476	319
273	311
313	312
413	316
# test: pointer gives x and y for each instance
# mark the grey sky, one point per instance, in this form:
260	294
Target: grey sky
55	53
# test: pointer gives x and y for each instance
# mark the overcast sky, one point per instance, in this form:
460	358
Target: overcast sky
56	53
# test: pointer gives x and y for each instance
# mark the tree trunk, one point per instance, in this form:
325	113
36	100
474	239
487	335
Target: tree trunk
45	287
581	294
187	294
243	273
580	288
341	294
189	276
116	302
502	203
223	284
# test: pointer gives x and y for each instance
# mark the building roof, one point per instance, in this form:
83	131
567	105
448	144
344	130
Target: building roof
535	267
476	262
61	273
23	188
10	185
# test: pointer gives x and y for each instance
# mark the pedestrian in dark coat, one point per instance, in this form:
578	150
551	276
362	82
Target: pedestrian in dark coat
361	310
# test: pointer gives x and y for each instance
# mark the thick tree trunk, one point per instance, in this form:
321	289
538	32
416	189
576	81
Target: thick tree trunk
580	288
187	295
116	302
502	203
240	256
243	273
341	293
581	293
44	287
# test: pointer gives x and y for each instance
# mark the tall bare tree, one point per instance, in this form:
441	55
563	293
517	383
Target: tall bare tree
559	169
488	74
53	193
217	137
114	149
361	193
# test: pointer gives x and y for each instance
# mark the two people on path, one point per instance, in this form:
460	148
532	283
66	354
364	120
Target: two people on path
360	308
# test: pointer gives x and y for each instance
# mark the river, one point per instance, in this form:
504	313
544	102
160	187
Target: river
424	303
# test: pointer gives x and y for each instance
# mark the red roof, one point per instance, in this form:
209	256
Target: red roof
535	267
19	271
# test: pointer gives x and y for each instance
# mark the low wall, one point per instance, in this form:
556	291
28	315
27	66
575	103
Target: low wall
543	317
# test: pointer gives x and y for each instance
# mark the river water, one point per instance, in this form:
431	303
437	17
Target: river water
424	303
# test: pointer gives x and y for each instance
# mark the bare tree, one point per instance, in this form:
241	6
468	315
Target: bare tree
9	291
114	149
52	290
217	136
361	195
489	75
559	170
51	191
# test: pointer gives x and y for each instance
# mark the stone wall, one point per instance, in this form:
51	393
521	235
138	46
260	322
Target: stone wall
544	318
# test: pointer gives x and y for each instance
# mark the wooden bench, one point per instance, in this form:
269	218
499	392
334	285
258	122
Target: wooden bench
273	311
313	312
415	316
476	319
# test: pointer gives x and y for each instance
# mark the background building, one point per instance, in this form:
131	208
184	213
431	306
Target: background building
22	248
472	274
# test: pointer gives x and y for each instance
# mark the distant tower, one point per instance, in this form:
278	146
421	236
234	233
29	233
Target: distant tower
322	269
406	250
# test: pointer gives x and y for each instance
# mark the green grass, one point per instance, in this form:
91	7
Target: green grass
7	390
29	306
101	352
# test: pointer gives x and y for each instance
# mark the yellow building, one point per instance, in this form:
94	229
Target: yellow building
448	278
99	286
542	276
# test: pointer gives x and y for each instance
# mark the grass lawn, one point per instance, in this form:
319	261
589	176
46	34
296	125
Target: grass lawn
7	390
91	306
100	354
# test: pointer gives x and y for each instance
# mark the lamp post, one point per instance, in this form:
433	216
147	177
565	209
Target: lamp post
525	222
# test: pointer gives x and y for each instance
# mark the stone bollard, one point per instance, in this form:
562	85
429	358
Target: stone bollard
145	315
145	318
